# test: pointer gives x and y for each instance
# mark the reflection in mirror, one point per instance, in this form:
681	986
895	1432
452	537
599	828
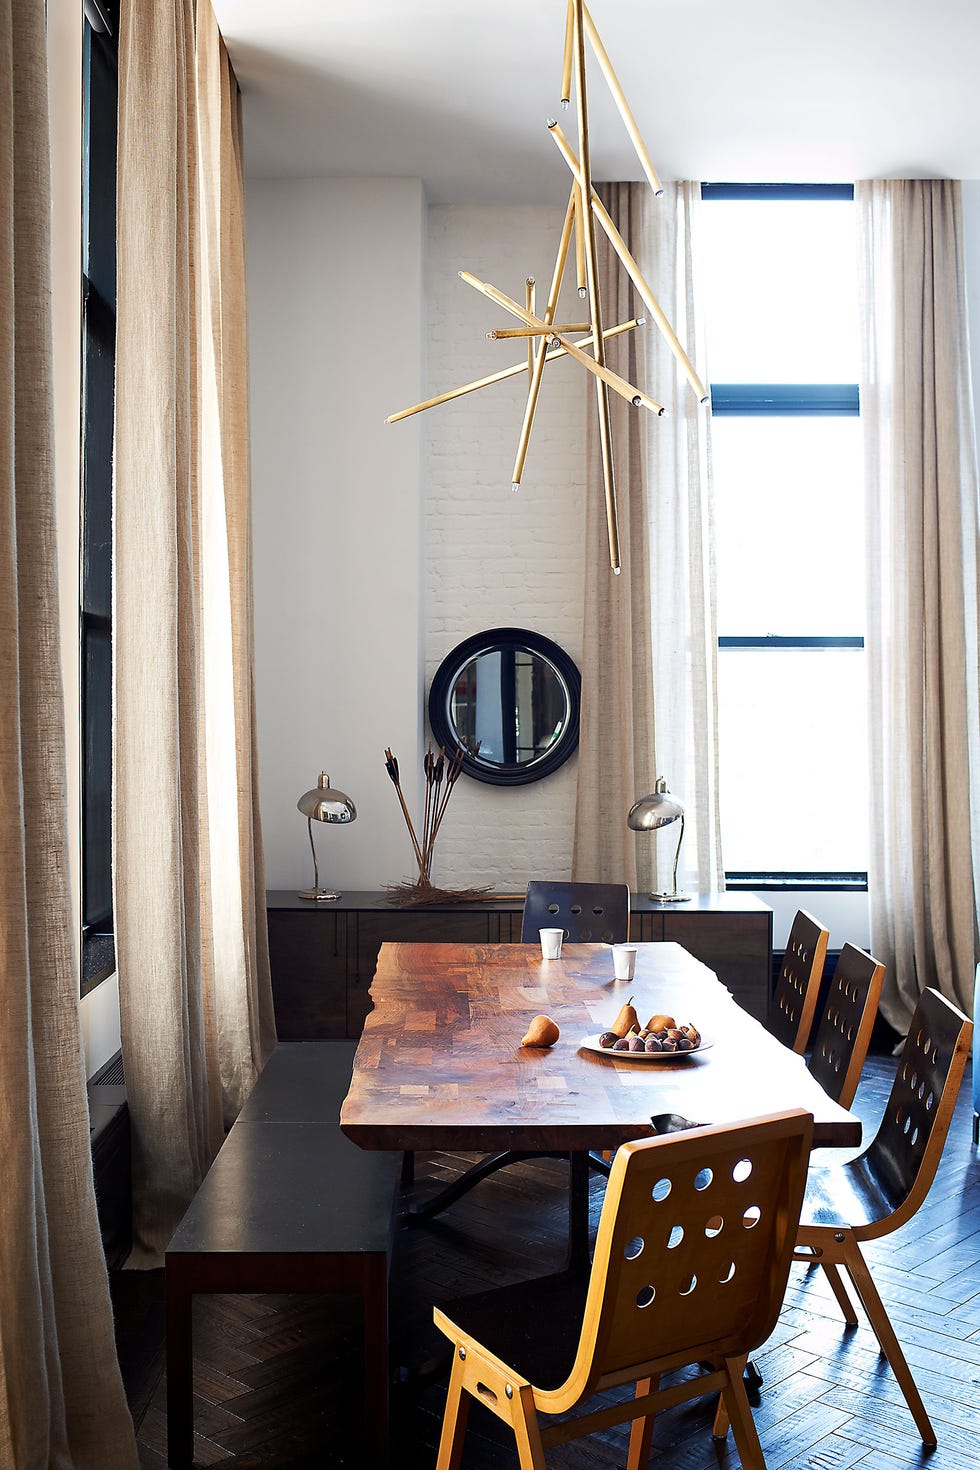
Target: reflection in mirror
511	698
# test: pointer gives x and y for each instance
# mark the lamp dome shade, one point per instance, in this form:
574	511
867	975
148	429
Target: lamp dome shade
325	803
658	809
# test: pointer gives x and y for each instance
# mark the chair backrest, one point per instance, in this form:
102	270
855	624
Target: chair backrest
844	1029
795	998
588	912
904	1154
693	1249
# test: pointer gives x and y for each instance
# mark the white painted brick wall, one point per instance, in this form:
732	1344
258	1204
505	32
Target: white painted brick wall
493	558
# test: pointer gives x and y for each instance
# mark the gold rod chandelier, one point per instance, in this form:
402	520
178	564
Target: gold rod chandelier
548	340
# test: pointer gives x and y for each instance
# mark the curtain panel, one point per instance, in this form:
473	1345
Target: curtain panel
924	673
191	944
61	1397
649	677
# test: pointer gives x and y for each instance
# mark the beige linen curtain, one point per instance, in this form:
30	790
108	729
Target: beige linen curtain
921	473
191	942
649	677
61	1397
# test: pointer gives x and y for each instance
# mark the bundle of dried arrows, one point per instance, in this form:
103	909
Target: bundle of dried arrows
441	775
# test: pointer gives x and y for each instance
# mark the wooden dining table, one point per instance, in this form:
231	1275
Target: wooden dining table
440	1063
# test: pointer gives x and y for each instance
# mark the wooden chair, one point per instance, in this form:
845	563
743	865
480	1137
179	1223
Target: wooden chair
844	1030
794	1000
588	912
691	1261
874	1194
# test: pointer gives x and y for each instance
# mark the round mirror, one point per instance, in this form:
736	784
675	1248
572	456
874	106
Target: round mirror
510	699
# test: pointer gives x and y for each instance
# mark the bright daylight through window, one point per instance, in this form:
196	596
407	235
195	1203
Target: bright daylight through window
780	289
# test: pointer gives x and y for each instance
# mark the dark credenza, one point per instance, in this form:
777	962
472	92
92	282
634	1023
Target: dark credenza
323	955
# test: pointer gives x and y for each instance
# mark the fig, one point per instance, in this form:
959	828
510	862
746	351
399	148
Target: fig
652	1044
660	1023
621	1044
685	1044
541	1032
626	1020
635	1044
607	1038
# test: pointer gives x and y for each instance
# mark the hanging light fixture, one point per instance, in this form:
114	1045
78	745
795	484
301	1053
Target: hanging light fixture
548	340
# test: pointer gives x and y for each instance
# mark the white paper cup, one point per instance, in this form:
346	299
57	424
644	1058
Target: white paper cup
624	961
551	943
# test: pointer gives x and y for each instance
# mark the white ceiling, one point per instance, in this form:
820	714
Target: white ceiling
457	91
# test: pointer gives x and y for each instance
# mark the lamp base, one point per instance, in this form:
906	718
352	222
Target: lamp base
669	897
322	895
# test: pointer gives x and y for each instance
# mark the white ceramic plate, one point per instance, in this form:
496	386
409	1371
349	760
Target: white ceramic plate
591	1043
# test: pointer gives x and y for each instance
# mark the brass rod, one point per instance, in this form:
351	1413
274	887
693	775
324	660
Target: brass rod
580	280
592	281
504	374
545	331
619	97
633	270
606	375
529	301
566	61
541	355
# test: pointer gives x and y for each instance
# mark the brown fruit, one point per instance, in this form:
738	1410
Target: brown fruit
635	1044
660	1023
653	1044
627	1020
541	1032
607	1038
621	1045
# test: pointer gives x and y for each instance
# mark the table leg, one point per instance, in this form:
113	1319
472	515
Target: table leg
578	1212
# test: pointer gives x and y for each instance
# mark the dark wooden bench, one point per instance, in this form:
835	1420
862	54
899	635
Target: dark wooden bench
289	1204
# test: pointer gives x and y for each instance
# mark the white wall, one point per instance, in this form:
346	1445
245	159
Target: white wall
336	324
495	558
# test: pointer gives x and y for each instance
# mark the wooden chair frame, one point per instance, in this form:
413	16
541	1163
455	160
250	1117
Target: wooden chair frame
736	1227
794	1000
895	1173
844	1030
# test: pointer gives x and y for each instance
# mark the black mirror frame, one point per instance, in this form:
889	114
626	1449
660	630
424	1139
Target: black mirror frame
445	678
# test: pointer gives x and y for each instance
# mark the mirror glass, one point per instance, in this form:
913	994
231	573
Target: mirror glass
510	698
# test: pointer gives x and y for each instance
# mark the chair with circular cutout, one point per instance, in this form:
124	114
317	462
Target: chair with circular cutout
691	1260
844	1030
589	913
794	1000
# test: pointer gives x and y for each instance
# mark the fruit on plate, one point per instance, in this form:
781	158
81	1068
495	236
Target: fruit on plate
541	1032
608	1039
627	1020
660	1023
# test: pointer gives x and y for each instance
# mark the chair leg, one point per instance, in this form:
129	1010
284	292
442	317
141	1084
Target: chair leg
641	1430
530	1450
976	1128
744	1432
454	1420
858	1271
840	1292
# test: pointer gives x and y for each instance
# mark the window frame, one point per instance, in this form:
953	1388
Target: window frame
98	279
785	400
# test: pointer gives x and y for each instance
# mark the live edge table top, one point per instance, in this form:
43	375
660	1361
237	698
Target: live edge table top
440	1064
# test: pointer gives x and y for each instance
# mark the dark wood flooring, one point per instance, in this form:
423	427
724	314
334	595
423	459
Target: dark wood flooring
277	1377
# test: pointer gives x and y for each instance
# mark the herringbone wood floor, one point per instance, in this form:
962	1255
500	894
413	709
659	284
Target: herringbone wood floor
277	1377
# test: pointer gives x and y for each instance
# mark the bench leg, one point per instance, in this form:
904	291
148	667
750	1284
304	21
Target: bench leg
375	1299
180	1361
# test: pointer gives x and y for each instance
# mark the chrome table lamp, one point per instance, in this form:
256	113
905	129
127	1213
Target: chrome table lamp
650	813
323	804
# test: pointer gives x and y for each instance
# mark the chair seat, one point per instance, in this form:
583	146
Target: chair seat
846	1196
509	1321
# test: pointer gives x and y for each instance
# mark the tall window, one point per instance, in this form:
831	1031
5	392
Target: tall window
781	312
99	93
